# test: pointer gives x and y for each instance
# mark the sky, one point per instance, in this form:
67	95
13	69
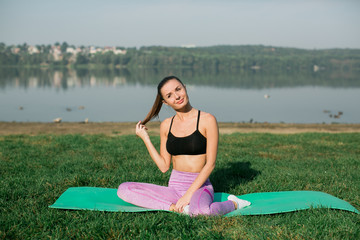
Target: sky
308	24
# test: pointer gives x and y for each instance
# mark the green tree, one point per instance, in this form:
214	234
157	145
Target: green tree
2	47
63	47
82	59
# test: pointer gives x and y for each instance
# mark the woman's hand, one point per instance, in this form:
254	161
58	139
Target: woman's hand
141	131
182	202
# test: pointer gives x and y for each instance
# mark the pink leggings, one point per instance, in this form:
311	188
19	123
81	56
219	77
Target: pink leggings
160	197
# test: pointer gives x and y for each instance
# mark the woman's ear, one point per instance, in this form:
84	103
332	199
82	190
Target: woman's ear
163	101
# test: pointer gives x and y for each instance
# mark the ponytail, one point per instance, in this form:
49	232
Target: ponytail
154	112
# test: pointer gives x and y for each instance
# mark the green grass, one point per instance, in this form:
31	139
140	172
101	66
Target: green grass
36	170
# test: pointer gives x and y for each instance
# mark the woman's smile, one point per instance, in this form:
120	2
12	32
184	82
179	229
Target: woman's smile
180	102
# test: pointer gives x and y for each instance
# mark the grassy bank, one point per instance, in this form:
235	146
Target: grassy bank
127	128
35	170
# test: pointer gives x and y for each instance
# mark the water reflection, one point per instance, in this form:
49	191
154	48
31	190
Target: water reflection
127	95
253	79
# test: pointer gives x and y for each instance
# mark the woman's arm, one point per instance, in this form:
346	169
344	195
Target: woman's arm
163	159
212	137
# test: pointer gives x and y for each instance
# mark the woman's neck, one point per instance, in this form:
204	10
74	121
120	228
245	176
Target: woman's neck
185	113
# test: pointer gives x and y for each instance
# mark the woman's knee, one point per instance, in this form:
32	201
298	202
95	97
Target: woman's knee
201	201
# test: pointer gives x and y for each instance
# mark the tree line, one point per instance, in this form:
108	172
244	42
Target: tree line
210	59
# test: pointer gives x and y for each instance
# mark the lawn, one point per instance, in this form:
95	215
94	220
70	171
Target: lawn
36	170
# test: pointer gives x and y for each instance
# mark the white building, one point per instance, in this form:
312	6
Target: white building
33	49
56	52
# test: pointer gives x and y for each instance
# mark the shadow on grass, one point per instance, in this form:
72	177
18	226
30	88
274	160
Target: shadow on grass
225	179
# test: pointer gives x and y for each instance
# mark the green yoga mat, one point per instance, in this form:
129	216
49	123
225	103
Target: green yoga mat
106	199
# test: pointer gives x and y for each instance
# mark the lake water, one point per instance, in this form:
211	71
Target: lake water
122	97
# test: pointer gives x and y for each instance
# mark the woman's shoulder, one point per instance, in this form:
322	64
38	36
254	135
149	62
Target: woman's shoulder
166	121
207	119
208	125
207	116
165	124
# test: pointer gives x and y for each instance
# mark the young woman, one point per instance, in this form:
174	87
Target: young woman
189	140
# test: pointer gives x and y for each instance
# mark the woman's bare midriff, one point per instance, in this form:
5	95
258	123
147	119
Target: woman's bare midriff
189	163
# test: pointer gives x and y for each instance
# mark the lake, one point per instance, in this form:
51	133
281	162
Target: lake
41	95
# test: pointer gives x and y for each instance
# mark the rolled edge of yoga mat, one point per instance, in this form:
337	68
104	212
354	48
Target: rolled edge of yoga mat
288	201
106	199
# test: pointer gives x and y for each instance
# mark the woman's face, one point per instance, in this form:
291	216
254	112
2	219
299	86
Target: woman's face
174	94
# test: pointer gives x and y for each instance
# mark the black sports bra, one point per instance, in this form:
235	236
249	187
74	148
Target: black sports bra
194	144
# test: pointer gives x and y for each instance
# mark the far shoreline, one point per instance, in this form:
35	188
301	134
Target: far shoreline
128	128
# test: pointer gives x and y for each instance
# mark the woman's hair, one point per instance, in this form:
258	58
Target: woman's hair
154	112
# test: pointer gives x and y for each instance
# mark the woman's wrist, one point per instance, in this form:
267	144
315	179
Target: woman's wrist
145	138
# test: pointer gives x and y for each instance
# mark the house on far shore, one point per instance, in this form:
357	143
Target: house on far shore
33	49
114	50
188	46
94	50
56	53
